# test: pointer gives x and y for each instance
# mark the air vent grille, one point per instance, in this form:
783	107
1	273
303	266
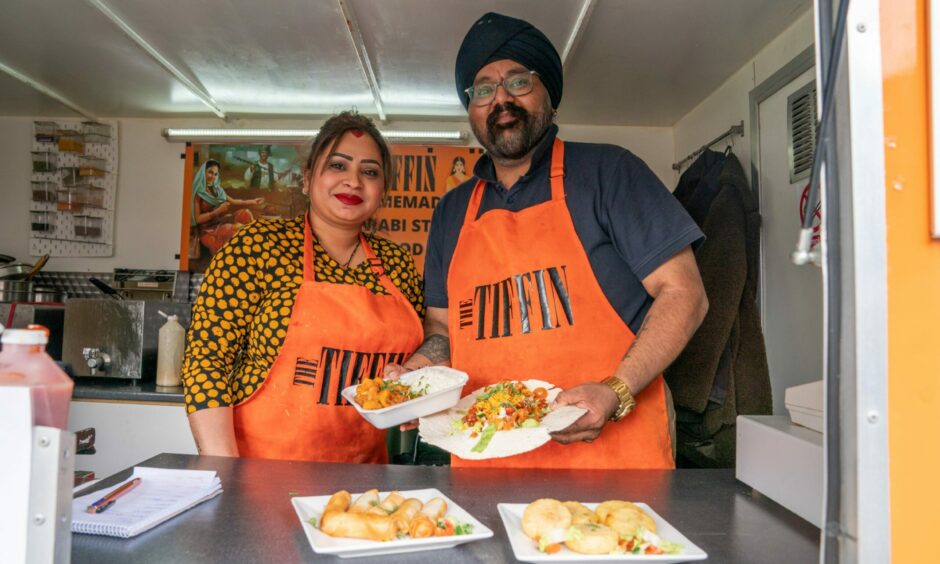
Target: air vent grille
801	126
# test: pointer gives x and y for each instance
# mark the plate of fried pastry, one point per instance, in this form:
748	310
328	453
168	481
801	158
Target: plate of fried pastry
374	523
549	530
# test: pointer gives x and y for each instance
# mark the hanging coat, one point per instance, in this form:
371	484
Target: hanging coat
722	372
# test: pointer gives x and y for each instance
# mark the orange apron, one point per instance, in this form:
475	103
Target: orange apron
524	303
338	335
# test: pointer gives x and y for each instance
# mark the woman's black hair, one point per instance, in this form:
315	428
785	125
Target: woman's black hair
335	127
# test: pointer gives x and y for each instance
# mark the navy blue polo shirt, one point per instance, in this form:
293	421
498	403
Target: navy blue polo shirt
628	222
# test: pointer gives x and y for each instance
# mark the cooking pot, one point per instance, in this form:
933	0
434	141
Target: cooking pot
15	271
44	295
15	290
22	271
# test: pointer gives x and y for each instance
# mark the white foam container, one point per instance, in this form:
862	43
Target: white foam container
412	409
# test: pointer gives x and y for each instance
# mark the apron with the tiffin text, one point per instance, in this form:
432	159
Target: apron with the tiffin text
339	334
523	302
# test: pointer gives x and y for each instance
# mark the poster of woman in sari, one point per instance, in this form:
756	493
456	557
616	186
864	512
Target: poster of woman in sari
233	185
216	215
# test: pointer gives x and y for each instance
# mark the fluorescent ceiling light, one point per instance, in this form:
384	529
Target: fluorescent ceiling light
217	134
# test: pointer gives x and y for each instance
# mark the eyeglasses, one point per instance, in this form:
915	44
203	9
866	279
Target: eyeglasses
516	84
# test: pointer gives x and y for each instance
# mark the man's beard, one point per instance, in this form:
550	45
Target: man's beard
519	138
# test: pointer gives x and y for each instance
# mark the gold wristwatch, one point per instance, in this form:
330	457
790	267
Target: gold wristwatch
627	403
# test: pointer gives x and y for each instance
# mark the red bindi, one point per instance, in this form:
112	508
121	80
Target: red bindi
356	132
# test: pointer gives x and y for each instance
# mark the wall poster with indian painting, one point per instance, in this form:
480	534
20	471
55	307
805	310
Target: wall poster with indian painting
228	186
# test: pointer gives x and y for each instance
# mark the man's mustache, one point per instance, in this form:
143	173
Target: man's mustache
510	108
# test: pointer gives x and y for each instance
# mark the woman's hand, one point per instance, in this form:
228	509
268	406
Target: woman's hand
394	372
223	208
214	431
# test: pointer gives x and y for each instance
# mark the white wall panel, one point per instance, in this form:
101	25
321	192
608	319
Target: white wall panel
728	105
150	183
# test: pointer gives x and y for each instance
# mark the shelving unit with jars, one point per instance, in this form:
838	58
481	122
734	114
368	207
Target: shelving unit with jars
73	187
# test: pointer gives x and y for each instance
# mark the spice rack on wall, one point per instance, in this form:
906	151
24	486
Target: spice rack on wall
73	188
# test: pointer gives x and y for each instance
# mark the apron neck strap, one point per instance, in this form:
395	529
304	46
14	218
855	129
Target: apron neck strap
375	263
557	179
558	169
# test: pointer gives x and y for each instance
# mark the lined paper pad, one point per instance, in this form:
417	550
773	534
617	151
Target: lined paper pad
162	494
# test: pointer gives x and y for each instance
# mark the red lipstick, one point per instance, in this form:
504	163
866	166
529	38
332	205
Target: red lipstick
349	199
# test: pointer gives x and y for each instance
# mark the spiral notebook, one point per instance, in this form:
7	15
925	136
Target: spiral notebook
162	494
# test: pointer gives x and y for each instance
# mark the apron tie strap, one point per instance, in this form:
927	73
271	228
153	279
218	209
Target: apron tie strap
558	170
557	175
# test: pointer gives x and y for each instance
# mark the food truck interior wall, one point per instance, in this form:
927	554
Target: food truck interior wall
150	179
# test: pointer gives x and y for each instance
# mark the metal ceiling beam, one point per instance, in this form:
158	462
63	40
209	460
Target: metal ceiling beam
587	8
362	54
40	87
197	91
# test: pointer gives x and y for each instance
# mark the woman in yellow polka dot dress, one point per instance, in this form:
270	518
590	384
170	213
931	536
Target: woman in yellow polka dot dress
293	311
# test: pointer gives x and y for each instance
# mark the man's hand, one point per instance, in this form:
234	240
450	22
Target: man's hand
599	400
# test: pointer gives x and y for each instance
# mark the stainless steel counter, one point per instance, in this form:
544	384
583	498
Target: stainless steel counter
253	520
112	389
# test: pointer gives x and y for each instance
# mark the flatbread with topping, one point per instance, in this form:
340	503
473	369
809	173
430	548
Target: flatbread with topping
499	420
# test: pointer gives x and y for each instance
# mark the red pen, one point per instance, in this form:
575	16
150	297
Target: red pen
108	500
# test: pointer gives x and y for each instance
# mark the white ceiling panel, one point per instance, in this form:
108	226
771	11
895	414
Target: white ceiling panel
285	57
70	47
414	44
639	62
19	99
650	63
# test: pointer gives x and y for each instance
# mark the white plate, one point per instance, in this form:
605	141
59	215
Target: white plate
438	429
526	550
412	409
307	507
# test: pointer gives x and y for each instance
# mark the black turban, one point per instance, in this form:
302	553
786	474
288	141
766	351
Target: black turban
494	37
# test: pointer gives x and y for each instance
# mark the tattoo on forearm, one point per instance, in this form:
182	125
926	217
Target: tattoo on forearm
436	348
638	334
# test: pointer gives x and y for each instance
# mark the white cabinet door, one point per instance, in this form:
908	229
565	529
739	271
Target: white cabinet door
129	433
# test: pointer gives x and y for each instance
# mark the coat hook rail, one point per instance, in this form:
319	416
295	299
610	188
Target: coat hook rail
732	131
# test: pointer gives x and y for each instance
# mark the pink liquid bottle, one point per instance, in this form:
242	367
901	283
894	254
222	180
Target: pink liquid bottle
24	362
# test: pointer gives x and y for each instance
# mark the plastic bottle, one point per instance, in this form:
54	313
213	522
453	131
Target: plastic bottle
24	362
170	351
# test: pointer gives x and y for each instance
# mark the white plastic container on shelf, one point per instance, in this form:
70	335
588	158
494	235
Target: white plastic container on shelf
43	191
71	141
46	131
44	161
87	226
92	166
95	128
171	339
42	221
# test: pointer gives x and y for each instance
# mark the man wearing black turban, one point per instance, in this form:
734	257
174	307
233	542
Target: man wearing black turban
567	262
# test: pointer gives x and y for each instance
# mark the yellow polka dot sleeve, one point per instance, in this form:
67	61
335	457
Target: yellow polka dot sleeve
241	315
